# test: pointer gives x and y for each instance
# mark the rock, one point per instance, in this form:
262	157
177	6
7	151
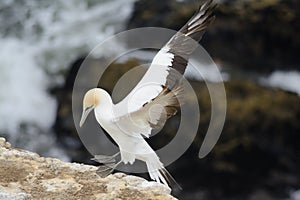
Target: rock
26	175
261	195
3	143
258	147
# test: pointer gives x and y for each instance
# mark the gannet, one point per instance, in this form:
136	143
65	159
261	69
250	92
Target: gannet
152	101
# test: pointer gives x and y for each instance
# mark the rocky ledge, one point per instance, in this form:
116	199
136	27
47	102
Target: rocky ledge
26	175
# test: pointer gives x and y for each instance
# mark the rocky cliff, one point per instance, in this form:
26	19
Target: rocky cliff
26	175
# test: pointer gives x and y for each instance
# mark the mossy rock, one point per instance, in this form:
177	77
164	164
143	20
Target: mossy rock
258	147
259	35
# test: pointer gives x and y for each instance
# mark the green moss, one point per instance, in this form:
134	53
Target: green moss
261	4
114	72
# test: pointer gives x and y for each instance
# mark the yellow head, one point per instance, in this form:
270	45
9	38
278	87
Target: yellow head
90	101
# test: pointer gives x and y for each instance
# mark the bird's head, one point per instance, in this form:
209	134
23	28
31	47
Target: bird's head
90	101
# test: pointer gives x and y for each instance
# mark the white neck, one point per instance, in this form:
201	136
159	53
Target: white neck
104	110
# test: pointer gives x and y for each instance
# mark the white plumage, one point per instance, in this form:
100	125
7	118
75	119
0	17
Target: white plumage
152	101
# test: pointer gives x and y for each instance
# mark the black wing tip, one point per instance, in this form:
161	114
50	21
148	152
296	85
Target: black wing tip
209	7
204	16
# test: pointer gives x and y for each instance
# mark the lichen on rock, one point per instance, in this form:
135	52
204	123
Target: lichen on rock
26	175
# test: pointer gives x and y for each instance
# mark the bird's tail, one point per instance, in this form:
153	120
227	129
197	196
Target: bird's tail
169	178
159	174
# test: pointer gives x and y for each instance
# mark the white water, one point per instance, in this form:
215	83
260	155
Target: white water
39	39
286	80
295	195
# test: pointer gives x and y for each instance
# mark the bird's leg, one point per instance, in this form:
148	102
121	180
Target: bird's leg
105	159
106	170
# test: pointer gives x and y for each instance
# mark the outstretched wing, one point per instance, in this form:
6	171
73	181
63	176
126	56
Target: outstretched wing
153	114
163	76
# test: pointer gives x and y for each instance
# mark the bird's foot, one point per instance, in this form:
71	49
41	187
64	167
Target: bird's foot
105	170
105	159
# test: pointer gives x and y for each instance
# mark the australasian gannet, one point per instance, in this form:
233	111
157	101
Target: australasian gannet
149	105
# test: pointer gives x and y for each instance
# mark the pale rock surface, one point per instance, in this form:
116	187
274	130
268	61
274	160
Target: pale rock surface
26	175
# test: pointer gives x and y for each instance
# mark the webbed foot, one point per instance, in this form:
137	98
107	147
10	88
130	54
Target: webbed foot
105	159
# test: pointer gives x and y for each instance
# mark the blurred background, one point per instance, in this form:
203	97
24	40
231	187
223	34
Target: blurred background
256	44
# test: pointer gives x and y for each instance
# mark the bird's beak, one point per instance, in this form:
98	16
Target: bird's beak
84	115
